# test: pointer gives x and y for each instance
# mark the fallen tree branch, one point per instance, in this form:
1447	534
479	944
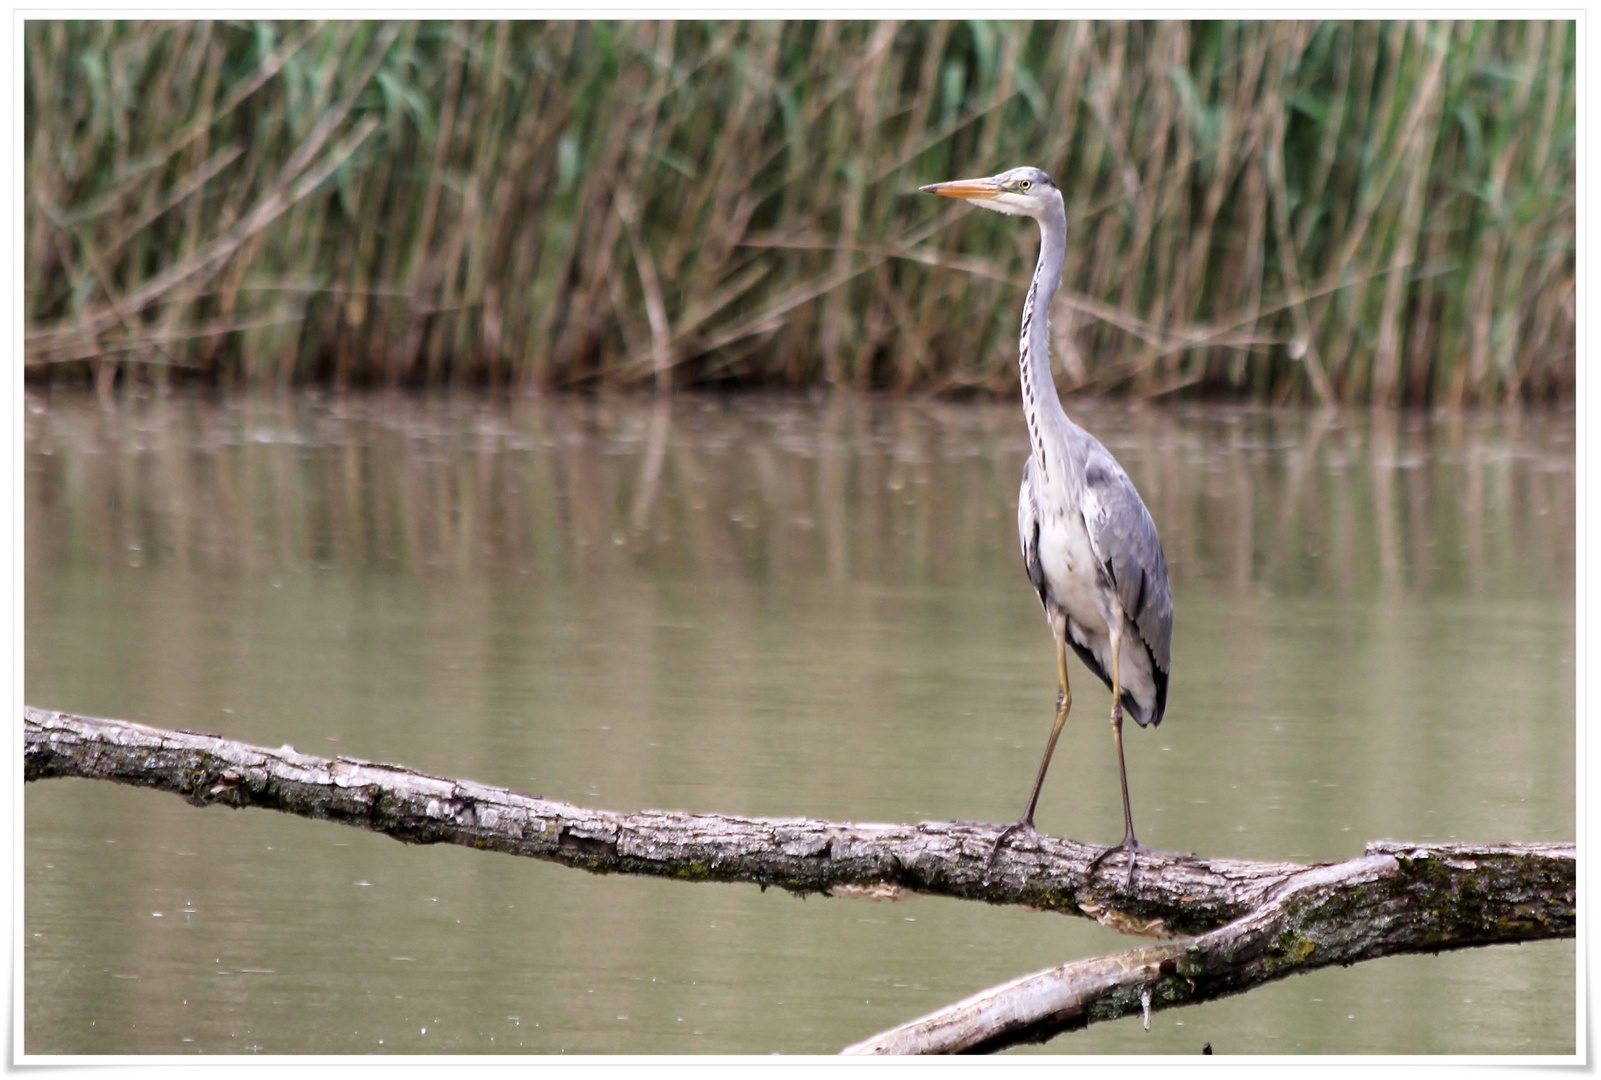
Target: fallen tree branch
1396	898
1172	893
1257	921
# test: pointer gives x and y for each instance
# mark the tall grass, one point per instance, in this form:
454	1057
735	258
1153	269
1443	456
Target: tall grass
1367	212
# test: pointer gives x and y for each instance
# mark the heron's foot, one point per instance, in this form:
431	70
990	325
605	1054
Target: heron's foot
1129	845
1024	825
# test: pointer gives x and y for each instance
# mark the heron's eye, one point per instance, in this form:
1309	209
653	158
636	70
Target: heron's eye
1025	185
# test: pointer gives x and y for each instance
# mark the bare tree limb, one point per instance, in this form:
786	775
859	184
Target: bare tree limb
1396	898
1256	921
1172	892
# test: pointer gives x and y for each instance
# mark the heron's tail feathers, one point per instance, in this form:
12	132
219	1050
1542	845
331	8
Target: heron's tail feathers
1153	717
1143	716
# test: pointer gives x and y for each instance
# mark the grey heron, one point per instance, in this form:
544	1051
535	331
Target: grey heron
1089	545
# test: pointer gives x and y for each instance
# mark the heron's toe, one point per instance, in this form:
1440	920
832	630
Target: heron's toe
1131	847
1023	826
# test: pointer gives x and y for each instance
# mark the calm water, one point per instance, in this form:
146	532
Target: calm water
766	607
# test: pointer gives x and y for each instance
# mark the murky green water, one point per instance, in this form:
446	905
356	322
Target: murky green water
760	607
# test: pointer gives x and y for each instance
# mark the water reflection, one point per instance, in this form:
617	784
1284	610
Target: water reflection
765	607
1359	505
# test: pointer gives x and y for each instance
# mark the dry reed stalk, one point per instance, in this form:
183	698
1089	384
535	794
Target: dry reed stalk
1275	180
1418	147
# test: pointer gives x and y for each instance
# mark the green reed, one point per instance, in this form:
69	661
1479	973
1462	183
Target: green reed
1364	212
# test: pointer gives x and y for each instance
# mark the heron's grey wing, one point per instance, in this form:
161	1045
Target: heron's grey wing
1028	529
1124	539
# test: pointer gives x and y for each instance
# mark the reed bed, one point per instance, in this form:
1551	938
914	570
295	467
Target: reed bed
1375	212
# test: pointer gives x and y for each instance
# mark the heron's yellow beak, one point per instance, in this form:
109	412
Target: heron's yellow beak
965	189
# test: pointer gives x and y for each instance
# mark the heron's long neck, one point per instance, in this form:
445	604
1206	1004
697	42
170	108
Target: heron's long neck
1034	350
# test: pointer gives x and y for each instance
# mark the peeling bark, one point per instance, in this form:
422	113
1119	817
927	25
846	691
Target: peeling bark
1254	921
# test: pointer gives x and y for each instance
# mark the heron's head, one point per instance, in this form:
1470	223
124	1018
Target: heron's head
1028	191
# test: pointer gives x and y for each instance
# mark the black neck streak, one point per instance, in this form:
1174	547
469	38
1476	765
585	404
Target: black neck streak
1031	397
1041	407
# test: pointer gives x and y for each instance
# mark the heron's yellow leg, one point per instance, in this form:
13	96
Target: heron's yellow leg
1117	681
1064	702
1064	696
1129	844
